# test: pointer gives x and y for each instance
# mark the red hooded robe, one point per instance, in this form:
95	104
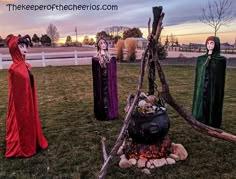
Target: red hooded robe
23	128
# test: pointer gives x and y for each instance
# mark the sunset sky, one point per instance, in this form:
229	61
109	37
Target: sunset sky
181	19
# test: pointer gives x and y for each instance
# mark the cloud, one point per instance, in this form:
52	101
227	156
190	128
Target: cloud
8	1
132	13
56	17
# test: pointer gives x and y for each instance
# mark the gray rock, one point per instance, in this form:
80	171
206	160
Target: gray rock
141	163
175	157
148	164
133	161
146	171
170	161
124	163
160	162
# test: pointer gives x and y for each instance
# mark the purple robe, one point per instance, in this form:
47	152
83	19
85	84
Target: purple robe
105	90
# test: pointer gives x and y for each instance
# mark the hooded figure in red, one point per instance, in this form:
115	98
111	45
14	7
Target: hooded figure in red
23	128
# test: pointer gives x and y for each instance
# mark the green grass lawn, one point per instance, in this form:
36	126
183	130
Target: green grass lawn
65	97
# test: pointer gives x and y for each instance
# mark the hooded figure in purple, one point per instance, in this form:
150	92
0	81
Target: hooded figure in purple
104	83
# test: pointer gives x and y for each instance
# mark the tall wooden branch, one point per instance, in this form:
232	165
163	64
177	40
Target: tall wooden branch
159	27
103	139
149	28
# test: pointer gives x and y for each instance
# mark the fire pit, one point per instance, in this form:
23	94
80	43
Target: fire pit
150	156
148	145
146	151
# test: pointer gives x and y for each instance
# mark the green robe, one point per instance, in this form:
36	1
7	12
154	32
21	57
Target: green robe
209	88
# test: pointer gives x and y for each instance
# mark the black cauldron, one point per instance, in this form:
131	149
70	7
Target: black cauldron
149	128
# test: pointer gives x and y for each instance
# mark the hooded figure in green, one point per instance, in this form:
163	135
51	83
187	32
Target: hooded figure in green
209	85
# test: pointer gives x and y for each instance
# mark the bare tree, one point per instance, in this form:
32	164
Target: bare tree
218	13
53	33
68	41
116	30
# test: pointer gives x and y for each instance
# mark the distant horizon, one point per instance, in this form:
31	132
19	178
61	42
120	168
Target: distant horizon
198	38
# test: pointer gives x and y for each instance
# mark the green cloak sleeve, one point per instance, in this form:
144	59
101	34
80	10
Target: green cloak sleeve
210	114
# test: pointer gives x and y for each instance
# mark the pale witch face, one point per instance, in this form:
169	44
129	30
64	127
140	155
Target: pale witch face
102	45
210	45
23	49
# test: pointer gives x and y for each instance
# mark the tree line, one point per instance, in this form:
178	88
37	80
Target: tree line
110	33
48	39
218	13
113	33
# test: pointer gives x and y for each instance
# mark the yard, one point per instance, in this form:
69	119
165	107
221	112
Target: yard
65	97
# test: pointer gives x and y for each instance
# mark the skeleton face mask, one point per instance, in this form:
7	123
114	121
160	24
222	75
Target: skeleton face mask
23	49
210	46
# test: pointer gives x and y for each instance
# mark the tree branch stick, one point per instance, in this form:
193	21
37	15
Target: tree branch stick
103	139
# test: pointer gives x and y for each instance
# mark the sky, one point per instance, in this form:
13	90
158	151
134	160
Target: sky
181	19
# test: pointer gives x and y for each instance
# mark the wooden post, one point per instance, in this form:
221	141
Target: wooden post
1	67
76	57
152	74
43	59
156	16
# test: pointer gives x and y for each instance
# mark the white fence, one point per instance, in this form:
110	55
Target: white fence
54	59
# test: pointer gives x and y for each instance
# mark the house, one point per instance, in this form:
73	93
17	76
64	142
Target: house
226	45
196	46
111	43
141	42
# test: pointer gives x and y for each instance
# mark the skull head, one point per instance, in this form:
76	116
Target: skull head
148	108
